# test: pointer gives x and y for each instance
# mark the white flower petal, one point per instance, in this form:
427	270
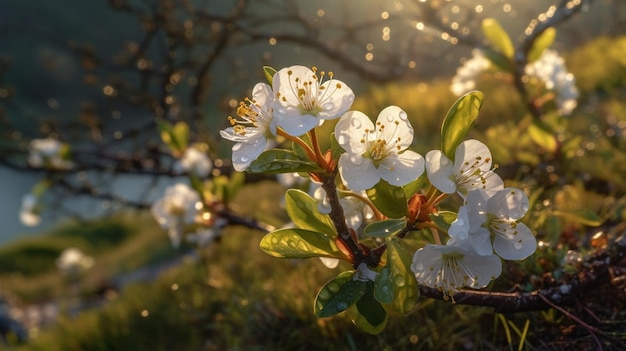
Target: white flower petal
393	126
402	169
294	123
350	132
358	173
336	98
245	153
508	203
517	244
439	170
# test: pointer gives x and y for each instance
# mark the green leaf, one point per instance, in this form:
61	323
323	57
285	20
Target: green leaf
336	149
382	290
299	243
543	136
269	74
459	120
385	228
281	161
175	137
443	219
302	209
498	59
338	295
180	135
582	216
236	182
414	186
541	43
498	37
388	199
399	280
368	314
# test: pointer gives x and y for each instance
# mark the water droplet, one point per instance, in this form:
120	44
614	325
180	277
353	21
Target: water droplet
524	207
274	240
328	106
324	295
517	245
341	306
390	118
244	158
399	280
333	287
342	139
403	116
356	123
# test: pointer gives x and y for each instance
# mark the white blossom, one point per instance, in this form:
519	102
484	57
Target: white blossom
47	153
73	261
178	208
550	69
304	99
256	128
29	214
375	152
194	161
484	217
471	169
465	79
451	267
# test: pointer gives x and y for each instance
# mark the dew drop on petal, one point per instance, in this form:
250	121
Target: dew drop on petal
328	106
403	116
244	158
517	245
356	123
524	207
390	118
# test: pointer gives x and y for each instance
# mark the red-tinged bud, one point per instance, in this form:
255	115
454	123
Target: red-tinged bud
344	249
316	177
415	207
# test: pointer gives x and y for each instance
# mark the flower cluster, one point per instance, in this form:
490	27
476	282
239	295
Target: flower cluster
298	101
73	261
550	69
29	212
48	153
194	162
176	210
369	188
487	226
466	75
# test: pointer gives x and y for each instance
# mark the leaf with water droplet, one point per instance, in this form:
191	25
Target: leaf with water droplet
459	120
388	199
299	243
302	209
368	313
338	294
443	219
385	228
396	279
282	161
